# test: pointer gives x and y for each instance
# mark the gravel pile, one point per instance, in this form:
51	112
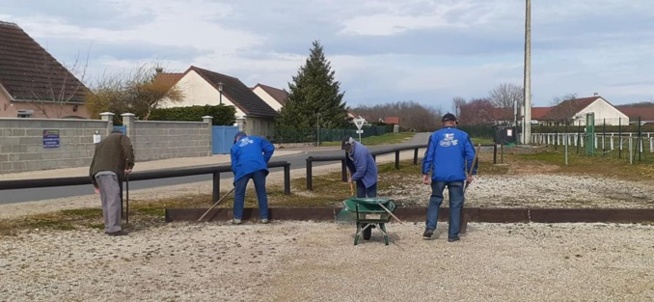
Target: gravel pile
305	261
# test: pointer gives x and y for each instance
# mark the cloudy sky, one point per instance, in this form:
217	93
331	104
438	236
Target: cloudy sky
427	51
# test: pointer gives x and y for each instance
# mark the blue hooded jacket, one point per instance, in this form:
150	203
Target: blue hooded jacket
362	165
449	155
250	154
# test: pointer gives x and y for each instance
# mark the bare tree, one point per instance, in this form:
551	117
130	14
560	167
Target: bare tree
507	95
58	86
136	92
412	114
564	107
477	112
566	97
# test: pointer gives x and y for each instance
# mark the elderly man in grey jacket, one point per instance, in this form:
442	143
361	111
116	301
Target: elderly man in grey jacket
113	158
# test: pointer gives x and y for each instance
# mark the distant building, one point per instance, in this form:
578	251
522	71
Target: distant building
275	98
33	84
204	87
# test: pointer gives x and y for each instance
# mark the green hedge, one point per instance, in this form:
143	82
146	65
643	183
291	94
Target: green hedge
222	115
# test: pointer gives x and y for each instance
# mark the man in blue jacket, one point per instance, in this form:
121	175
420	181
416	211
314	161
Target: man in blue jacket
448	157
362	167
363	171
250	156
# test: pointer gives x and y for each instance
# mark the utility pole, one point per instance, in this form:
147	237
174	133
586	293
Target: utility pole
526	125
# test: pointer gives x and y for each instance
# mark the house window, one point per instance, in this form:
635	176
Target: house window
24	113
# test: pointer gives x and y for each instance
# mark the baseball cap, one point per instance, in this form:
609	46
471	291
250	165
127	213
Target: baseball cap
449	118
241	134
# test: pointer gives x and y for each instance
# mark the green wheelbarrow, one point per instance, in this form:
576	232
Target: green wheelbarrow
370	212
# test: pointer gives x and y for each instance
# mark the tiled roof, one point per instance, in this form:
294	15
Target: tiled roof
28	72
567	109
238	93
167	79
277	94
539	113
645	112
392	120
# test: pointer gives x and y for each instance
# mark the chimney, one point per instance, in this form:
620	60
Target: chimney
595	94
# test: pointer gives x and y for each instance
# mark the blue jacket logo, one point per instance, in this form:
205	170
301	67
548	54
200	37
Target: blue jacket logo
448	140
245	141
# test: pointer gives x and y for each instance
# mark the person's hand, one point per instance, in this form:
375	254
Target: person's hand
96	189
469	179
127	171
425	179
349	180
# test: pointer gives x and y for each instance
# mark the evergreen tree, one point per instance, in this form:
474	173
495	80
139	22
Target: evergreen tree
314	96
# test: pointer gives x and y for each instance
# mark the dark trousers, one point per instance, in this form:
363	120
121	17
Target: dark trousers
259	178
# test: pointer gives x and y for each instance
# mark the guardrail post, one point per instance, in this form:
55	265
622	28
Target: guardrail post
309	174
287	179
397	160
415	156
216	187
343	170
495	154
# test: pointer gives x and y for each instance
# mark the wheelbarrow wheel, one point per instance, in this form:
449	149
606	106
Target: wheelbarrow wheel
367	232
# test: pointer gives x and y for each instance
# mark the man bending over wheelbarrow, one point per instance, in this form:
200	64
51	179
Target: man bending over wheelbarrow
363	171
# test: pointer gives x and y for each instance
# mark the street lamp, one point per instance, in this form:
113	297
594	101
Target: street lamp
220	90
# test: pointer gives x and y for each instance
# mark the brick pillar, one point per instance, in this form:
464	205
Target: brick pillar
109	118
208	120
128	122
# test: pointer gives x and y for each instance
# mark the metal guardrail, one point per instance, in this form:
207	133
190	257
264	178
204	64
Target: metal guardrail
146	175
374	154
395	150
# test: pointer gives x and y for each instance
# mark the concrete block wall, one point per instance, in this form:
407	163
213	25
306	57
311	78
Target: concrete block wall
154	140
22	147
22	143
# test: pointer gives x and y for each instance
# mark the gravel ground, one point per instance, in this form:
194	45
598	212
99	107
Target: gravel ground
539	191
305	261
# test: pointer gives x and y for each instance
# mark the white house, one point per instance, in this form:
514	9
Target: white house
275	98
204	87
574	111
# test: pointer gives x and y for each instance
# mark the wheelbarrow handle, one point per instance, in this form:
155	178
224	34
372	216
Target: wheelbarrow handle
389	212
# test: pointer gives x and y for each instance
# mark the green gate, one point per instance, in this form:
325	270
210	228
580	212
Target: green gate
590	133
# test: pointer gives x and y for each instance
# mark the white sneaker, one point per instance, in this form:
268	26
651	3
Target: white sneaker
236	221
264	221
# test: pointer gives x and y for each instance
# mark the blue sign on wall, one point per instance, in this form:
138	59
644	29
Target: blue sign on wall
50	138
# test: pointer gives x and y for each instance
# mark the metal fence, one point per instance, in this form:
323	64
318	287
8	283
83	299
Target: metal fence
634	142
289	136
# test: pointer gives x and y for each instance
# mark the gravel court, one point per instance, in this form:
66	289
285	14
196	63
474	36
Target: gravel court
538	191
307	261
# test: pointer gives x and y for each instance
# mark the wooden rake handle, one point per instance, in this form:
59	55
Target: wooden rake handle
215	204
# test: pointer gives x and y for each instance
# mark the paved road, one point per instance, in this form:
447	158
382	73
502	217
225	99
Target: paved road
298	161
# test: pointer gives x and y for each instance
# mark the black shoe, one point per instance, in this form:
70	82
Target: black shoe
118	233
453	239
427	234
